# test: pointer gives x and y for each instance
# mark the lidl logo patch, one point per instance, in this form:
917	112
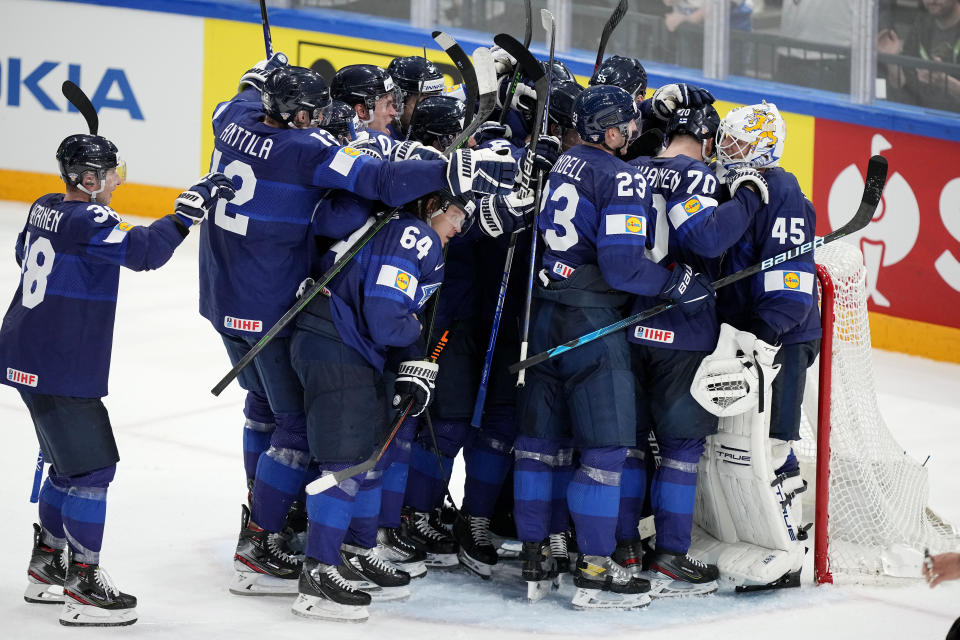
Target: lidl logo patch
791	280
633	224
403	281
692	205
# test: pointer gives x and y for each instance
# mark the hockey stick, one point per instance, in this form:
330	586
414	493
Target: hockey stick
329	480
608	28
267	40
873	187
527	37
467	71
82	103
543	108
487	100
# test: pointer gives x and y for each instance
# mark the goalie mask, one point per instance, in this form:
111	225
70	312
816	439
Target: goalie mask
751	136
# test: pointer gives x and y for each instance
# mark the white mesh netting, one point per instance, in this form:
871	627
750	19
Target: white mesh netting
877	493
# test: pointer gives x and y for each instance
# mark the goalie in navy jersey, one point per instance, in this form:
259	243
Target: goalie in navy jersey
256	252
594	221
55	346
339	349
689	226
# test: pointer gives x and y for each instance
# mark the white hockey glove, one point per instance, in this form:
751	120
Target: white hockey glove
505	214
524	97
257	74
192	205
670	97
368	147
304	286
749	177
728	381
415	381
491	130
411	150
484	171
503	62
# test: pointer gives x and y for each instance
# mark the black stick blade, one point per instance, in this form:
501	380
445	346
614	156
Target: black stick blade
79	99
608	28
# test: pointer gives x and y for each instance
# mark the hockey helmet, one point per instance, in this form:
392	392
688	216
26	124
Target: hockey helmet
437	119
289	90
601	107
626	73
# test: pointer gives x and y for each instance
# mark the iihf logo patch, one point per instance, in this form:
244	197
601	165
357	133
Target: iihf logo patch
563	270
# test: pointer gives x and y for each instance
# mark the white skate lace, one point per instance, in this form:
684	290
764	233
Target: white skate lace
334	574
558	545
103	579
696	563
274	545
374	558
480	531
422	523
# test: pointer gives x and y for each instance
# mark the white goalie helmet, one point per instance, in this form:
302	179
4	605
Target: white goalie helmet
751	136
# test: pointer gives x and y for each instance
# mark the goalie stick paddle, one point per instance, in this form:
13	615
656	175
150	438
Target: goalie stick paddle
872	189
487	100
325	482
466	68
527	37
267	40
82	103
608	28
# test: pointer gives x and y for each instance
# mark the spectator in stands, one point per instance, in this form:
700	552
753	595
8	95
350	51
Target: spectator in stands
693	11
935	37
828	23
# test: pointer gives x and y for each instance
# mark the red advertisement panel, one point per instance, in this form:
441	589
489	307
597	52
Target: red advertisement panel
911	248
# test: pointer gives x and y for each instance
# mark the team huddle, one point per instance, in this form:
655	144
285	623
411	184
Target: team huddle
617	204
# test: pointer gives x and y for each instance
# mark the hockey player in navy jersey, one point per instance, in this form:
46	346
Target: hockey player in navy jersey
689	226
256	252
372	93
55	346
416	78
594	221
339	349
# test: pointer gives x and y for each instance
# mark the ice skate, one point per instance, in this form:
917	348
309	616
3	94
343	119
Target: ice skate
425	530
395	548
365	570
538	569
325	595
264	562
477	552
629	555
92	600
560	553
677	575
603	584
47	571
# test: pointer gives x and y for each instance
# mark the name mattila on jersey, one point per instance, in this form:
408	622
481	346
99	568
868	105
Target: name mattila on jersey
625	223
240	324
654	335
22	377
398	279
246	141
45	218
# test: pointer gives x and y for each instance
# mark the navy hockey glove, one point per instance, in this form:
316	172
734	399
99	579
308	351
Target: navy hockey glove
257	74
411	150
691	291
484	171
670	97
505	214
746	176
193	204
415	381
491	130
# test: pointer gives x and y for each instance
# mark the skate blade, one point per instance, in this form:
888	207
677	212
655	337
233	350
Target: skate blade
558	582
42	593
322	609
248	583
538	589
475	566
509	549
442	560
388	594
75	614
664	587
415	569
588	599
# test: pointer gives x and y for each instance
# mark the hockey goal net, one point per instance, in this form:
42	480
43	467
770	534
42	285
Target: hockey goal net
871	521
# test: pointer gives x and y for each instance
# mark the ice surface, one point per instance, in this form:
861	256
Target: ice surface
174	509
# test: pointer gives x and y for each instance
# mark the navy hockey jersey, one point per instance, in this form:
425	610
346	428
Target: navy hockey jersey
596	210
57	334
778	305
374	298
688	226
254	250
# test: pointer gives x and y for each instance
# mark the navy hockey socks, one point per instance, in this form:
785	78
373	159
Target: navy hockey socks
395	475
673	492
633	486
594	499
535	462
328	517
